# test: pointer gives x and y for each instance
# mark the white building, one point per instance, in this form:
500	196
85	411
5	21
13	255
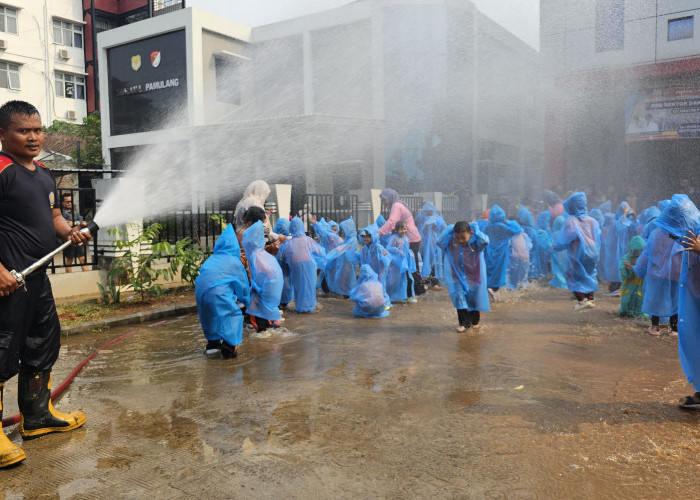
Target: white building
42	57
625	88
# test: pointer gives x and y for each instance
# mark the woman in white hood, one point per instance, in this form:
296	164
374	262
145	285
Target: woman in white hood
254	196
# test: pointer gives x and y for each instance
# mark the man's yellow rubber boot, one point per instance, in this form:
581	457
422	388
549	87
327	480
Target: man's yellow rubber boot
10	453
39	417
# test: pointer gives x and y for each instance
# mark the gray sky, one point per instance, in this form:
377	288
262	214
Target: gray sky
521	17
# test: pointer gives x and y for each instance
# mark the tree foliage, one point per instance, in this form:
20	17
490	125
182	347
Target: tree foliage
90	135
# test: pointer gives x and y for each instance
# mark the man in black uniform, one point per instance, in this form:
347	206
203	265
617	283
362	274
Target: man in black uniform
30	221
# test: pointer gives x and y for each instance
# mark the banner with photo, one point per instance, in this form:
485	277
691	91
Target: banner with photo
663	113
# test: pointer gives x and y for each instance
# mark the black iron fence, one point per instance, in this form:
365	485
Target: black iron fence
450	209
77	205
414	204
203	227
330	207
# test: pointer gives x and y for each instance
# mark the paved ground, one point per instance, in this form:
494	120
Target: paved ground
541	403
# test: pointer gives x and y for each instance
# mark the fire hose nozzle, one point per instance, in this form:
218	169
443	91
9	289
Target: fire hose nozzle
20	279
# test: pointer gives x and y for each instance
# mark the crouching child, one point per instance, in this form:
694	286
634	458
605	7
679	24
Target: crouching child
221	286
463	246
371	301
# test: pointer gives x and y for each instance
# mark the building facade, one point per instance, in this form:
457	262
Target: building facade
102	15
623	85
42	57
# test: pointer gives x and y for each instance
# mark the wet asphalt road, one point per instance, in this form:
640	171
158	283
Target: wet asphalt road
540	403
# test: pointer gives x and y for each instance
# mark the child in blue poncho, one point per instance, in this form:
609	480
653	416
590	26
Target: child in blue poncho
431	225
266	279
519	261
221	285
527	222
558	260
373	253
660	266
580	237
341	262
463	246
680	219
282	228
399	280
302	256
543	245
500	231
371	301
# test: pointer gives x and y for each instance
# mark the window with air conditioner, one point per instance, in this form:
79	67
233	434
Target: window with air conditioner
9	76
8	20
68	34
70	86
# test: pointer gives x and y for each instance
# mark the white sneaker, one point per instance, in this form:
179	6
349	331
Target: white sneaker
492	294
591	304
412	300
584	304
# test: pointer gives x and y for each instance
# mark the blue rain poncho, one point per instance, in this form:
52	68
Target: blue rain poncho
282	227
600	219
222	282
605	208
341	262
374	254
678	218
660	267
519	261
402	264
380	222
371	301
499	232
580	237
465	269
266	279
527	222
608	240
432	224
543	245
303	256
649	225
558	259
618	247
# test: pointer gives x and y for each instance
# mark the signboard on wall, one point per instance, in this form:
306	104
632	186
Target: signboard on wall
663	113
147	83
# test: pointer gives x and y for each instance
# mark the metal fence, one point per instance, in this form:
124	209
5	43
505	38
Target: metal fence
331	207
202	227
414	204
81	208
450	208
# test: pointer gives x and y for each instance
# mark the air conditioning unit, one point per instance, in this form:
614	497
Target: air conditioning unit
3	44
71	115
63	54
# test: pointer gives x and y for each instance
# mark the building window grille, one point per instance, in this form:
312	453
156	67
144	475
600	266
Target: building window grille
9	76
8	20
609	25
68	34
70	86
681	28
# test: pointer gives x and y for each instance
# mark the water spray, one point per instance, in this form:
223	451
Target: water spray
21	276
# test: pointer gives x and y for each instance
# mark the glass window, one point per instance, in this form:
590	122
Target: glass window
9	76
68	34
70	86
8	20
681	28
609	25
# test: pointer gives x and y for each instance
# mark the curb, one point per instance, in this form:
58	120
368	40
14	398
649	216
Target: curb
129	319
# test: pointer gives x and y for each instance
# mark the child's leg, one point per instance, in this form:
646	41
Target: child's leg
260	324
463	317
654	328
580	296
474	317
673	323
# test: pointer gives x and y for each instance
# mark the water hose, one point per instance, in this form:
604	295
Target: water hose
62	387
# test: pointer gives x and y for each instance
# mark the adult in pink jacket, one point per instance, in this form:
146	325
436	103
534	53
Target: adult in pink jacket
400	212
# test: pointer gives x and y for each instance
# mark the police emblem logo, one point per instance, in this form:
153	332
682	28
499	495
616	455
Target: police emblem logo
52	199
155	58
136	62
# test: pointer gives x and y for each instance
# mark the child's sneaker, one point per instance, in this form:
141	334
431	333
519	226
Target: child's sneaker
584	304
213	348
616	293
229	351
412	300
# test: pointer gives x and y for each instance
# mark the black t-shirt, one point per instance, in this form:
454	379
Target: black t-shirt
27	198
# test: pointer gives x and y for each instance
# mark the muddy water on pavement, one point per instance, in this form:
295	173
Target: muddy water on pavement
540	403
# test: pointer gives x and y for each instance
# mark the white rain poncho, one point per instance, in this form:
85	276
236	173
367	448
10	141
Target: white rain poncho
255	195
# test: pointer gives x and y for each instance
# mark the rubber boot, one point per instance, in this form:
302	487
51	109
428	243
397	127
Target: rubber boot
10	453
39	417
